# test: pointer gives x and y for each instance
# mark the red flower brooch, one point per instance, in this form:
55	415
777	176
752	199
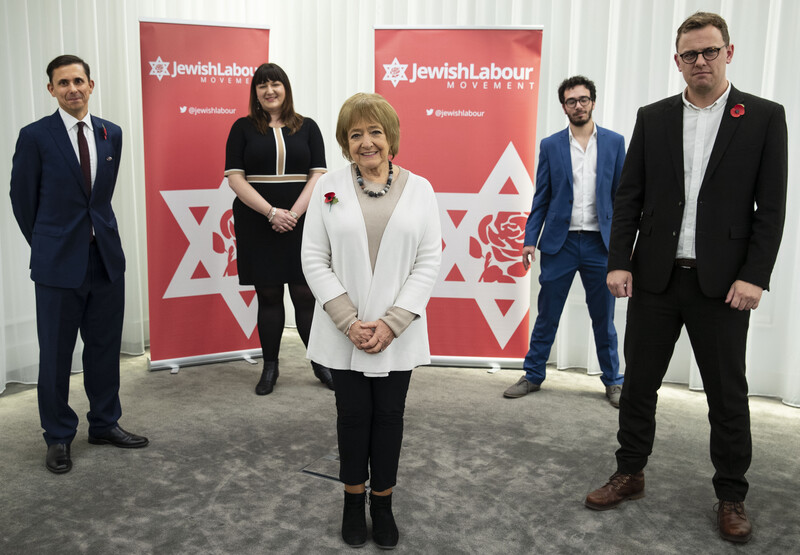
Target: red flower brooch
105	133
330	199
738	110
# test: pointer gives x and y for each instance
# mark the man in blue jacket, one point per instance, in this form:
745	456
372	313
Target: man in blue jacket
577	177
62	180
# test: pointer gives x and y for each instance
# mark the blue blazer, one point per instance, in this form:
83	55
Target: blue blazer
552	202
52	208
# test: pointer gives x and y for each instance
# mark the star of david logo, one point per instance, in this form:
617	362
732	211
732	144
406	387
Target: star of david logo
395	72
469	270
207	266
159	68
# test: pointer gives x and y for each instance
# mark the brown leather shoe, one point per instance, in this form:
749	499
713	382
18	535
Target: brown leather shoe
620	487
733	523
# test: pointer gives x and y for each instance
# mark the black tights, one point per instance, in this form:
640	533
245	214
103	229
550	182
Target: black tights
271	315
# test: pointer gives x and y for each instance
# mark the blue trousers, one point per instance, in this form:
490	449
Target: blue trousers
582	252
95	309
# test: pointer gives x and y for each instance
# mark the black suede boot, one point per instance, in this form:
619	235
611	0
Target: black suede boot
354	523
384	529
269	375
323	374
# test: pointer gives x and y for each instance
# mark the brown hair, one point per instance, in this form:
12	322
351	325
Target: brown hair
368	107
66	60
698	20
291	119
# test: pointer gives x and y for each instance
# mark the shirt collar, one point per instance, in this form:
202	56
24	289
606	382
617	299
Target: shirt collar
572	137
70	121
717	104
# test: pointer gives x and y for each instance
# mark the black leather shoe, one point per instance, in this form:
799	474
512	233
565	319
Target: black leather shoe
118	437
58	460
269	375
323	374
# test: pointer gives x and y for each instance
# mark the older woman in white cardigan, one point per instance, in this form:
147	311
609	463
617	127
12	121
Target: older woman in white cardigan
371	253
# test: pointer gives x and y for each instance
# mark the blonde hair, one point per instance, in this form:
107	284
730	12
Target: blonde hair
367	107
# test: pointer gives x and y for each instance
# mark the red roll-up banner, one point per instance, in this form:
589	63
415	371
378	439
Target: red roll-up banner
195	84
467	101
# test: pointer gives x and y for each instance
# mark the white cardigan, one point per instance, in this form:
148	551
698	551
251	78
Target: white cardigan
336	260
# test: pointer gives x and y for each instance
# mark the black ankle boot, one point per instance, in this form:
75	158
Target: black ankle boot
269	375
384	529
354	523
323	374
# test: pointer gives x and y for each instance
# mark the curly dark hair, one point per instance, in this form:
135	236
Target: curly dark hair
576	81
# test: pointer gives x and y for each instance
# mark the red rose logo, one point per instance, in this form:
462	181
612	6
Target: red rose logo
226	243
504	235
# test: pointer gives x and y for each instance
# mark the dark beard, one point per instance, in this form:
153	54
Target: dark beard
581	123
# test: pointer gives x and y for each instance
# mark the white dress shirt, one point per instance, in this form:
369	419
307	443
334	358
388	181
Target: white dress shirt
71	123
584	183
700	127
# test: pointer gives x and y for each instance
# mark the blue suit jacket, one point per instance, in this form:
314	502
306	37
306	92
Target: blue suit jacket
552	202
52	208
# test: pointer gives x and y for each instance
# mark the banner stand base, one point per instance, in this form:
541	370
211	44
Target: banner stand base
174	364
492	364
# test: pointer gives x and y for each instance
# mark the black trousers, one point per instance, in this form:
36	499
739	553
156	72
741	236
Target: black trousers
369	425
94	309
718	336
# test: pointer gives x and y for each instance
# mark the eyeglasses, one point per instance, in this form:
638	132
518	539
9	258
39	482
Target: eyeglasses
571	102
690	56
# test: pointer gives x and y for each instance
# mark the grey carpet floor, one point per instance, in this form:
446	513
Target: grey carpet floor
230	472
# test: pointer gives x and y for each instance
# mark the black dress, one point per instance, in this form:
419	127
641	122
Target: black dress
277	165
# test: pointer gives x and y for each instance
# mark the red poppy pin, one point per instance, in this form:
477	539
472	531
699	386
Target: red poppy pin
737	111
330	199
105	133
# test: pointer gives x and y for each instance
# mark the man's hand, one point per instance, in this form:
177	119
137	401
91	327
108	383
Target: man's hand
743	295
528	255
620	283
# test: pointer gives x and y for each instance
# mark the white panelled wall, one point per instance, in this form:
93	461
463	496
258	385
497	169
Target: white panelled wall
326	47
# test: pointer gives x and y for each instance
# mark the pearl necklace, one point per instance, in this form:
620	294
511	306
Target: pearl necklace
374	194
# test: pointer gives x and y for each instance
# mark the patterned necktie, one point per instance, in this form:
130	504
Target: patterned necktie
86	164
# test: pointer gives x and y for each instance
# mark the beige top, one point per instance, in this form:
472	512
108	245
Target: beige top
376	212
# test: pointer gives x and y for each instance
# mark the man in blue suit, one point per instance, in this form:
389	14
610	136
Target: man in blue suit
577	177
62	179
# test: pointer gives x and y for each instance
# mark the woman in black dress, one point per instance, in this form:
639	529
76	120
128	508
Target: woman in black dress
273	158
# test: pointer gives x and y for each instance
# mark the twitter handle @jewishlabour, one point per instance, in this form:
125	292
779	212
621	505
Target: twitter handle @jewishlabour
195	111
453	113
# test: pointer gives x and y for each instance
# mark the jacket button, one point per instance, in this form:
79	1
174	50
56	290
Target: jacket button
680	203
674	233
